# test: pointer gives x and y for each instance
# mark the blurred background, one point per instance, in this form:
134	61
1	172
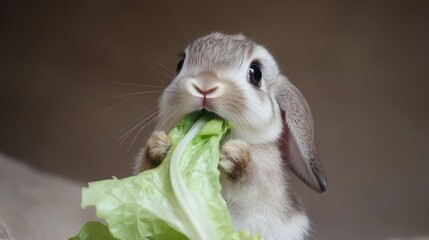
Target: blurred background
65	67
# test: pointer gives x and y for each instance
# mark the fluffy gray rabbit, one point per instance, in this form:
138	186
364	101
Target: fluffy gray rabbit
240	81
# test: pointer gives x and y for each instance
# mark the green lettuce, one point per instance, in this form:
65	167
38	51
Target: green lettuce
180	199
94	231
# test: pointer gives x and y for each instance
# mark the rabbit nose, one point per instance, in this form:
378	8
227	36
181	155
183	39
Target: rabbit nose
205	91
205	84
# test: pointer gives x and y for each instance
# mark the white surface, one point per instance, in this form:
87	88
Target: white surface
35	205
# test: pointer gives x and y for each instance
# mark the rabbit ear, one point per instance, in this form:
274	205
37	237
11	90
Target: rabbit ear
298	144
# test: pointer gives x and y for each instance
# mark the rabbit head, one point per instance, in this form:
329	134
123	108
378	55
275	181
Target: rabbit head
239	80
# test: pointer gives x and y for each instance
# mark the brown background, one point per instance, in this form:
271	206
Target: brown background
361	65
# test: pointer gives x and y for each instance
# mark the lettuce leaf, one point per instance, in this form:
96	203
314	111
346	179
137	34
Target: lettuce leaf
180	199
94	231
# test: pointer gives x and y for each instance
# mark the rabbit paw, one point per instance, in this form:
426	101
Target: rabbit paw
235	159
156	148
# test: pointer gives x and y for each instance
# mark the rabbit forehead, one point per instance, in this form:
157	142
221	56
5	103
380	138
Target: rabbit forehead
228	55
219	51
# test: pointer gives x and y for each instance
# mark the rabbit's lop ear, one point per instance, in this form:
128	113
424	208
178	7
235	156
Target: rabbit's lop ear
298	144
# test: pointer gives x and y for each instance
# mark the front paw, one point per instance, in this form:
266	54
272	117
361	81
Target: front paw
156	148
235	159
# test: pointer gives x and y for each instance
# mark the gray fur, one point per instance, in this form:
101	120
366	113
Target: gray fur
218	51
301	149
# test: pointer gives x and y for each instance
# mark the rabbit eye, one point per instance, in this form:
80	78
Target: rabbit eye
255	75
180	65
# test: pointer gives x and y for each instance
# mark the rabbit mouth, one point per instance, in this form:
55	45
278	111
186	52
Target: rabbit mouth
207	105
211	111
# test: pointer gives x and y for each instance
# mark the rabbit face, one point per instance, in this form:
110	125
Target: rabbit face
232	77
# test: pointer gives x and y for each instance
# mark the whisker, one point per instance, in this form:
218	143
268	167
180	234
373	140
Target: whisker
140	117
183	31
134	139
134	93
166	68
244	118
255	114
161	80
166	115
235	120
117	104
138	85
142	128
162	114
163	73
124	136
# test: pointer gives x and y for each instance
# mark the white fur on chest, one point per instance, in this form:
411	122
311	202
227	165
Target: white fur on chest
260	203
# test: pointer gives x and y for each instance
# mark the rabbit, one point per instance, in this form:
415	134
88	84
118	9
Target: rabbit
240	81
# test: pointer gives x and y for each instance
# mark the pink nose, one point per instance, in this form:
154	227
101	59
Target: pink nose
205	92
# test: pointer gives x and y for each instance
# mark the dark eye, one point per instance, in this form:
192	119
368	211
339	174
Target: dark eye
180	65
255	74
